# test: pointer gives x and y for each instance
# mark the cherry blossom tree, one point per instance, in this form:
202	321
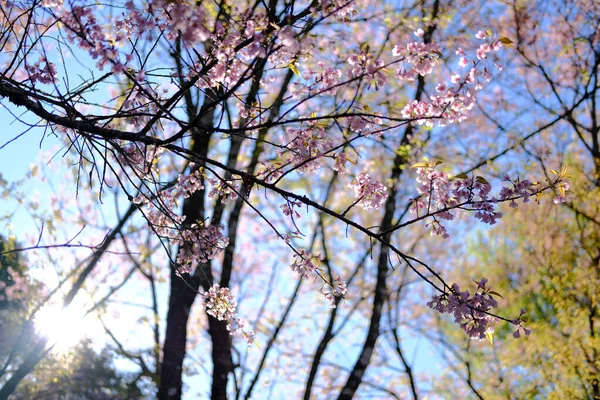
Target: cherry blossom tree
242	136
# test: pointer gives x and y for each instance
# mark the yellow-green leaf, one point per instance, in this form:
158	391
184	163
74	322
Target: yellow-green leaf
292	66
506	41
490	337
481	179
419	165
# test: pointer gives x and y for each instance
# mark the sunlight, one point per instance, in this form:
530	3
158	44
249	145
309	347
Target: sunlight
64	328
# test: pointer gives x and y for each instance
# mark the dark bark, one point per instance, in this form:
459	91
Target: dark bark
180	304
184	289
358	371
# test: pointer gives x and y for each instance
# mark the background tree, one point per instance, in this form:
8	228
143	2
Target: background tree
79	373
549	263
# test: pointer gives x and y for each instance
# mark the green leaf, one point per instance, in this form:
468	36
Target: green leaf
506	41
490	337
420	165
292	66
493	292
481	179
461	176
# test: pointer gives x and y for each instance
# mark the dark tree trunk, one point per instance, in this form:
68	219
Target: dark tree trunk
358	371
174	350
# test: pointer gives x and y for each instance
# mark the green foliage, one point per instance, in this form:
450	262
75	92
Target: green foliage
545	260
82	374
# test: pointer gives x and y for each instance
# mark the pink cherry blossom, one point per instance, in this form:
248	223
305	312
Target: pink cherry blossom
370	193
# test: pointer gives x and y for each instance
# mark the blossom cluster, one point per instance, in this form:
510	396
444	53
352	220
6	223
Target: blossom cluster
199	243
336	290
471	312
326	80
342	10
221	304
288	208
363	64
440	196
87	33
363	124
143	159
42	71
308	147
303	262
369	193
454	100
520	329
304	265
140	104
191	183
223	189
419	58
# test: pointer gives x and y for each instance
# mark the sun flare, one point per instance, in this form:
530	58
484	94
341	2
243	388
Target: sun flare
64	327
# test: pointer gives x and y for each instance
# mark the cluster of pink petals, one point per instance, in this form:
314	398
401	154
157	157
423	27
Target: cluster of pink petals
370	193
51	3
364	124
364	65
519	328
307	148
560	198
337	289
225	189
419	59
288	208
342	10
221	304
85	31
325	80
199	244
454	100
238	325
191	183
138	102
188	21
439	194
520	189
303	263
42	71
287	35
143	159
470	311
